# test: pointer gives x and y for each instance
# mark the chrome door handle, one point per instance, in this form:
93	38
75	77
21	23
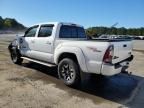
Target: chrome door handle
48	42
32	41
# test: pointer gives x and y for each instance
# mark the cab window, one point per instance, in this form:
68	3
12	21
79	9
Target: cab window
72	32
45	31
31	32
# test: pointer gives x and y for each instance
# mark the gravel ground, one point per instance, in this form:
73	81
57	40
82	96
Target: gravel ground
138	44
35	86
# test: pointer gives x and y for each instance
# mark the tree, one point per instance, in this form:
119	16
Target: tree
122	31
7	23
1	22
113	31
142	31
96	31
12	24
91	32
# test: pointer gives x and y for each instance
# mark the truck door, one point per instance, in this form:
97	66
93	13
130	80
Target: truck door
43	46
27	42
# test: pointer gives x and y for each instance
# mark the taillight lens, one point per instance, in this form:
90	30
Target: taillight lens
109	54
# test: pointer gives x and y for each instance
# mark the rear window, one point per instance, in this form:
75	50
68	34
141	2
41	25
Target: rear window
72	32
81	32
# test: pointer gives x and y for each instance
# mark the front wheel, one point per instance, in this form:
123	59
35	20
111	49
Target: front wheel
15	56
68	72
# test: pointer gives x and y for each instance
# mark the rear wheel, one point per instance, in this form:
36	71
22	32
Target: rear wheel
16	57
68	72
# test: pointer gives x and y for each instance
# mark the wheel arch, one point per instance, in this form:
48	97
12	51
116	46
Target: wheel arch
74	53
67	55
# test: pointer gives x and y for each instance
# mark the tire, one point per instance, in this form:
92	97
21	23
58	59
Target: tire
16	56
68	72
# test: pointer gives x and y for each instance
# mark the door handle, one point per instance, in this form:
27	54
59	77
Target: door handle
48	42
124	45
32	41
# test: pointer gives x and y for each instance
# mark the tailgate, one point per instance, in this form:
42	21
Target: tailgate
122	50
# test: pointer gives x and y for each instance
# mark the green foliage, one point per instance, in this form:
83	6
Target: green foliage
1	22
91	32
97	31
10	24
7	23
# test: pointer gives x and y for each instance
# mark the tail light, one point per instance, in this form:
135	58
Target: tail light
109	54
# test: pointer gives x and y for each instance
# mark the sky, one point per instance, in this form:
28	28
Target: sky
127	13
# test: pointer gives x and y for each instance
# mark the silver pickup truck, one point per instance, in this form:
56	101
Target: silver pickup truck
66	45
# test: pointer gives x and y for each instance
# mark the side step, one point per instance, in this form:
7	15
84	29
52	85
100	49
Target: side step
39	62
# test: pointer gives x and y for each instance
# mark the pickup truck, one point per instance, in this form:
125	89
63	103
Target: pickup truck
66	45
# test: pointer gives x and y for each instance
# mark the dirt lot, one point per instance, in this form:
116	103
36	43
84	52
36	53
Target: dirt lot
35	86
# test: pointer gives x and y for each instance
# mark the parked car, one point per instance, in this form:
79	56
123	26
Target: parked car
65	45
139	37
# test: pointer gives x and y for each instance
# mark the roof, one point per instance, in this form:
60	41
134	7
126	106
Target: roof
56	23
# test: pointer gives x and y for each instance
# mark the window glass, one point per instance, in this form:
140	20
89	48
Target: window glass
31	32
81	33
45	31
65	32
72	32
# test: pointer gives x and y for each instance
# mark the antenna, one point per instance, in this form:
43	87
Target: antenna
115	24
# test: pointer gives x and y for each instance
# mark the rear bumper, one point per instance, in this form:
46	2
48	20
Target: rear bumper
112	69
109	70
